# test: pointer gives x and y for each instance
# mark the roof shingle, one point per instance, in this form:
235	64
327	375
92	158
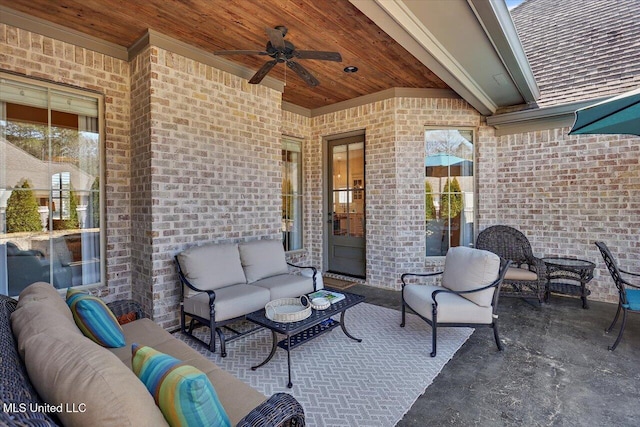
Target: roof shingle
580	49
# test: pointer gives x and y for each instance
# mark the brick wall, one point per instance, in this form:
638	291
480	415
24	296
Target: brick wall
215	174
565	192
33	55
141	207
394	150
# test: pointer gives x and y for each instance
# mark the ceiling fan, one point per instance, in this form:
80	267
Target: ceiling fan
283	51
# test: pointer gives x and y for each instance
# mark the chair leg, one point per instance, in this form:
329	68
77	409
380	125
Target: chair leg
403	314
615	319
624	321
223	347
212	341
497	337
434	332
182	320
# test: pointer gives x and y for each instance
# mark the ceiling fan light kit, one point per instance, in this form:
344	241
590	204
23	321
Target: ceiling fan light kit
284	51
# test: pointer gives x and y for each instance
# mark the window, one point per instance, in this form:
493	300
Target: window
291	194
449	189
50	167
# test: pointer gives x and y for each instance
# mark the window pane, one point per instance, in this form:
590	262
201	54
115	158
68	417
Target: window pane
291	195
449	189
49	187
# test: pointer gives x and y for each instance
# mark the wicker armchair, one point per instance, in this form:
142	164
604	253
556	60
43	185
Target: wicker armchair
526	278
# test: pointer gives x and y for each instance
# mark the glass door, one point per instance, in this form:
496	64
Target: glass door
347	206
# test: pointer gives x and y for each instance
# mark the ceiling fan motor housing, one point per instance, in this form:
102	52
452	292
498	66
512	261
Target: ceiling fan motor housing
281	55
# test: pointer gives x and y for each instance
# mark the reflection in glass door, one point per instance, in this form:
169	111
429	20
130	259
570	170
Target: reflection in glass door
347	206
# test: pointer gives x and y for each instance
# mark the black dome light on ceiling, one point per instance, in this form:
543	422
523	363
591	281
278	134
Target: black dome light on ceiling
350	69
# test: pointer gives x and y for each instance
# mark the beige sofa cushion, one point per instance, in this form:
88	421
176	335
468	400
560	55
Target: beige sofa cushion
286	285
33	319
263	258
467	268
212	267
515	273
231	302
71	369
452	308
47	294
237	398
40	310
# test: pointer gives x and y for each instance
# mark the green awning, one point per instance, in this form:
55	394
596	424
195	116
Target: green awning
618	115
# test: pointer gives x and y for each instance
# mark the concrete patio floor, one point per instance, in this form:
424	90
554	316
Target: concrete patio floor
555	369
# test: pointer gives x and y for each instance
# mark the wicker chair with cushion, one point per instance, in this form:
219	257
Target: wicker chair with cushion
629	299
467	297
526	277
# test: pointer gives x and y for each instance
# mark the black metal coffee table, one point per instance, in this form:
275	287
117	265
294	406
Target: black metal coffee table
297	333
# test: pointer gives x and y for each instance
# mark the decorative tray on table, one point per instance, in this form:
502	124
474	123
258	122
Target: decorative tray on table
286	310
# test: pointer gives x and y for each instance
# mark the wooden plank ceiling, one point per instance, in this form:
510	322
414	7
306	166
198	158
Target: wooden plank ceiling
329	25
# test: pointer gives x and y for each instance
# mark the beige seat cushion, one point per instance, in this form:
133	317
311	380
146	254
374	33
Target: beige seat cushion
237	398
263	258
451	308
286	285
212	267
142	332
515	273
72	369
232	301
228	387
467	268
145	332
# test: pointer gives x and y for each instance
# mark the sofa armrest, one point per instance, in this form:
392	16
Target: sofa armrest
281	409
313	275
126	307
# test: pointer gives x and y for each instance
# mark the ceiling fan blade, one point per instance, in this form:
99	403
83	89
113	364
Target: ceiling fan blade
240	52
303	73
316	54
262	72
276	38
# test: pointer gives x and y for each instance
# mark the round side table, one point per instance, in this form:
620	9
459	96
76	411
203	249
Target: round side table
577	270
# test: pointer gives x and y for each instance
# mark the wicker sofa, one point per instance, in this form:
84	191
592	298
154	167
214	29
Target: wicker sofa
224	282
46	360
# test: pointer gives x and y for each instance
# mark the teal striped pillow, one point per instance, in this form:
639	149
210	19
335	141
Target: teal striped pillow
94	319
184	394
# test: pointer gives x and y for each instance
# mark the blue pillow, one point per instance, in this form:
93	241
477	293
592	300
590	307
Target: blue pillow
94	319
184	394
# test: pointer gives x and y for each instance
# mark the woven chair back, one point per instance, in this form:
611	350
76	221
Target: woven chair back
507	242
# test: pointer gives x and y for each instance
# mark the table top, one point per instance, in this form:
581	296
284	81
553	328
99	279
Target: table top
568	262
317	316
